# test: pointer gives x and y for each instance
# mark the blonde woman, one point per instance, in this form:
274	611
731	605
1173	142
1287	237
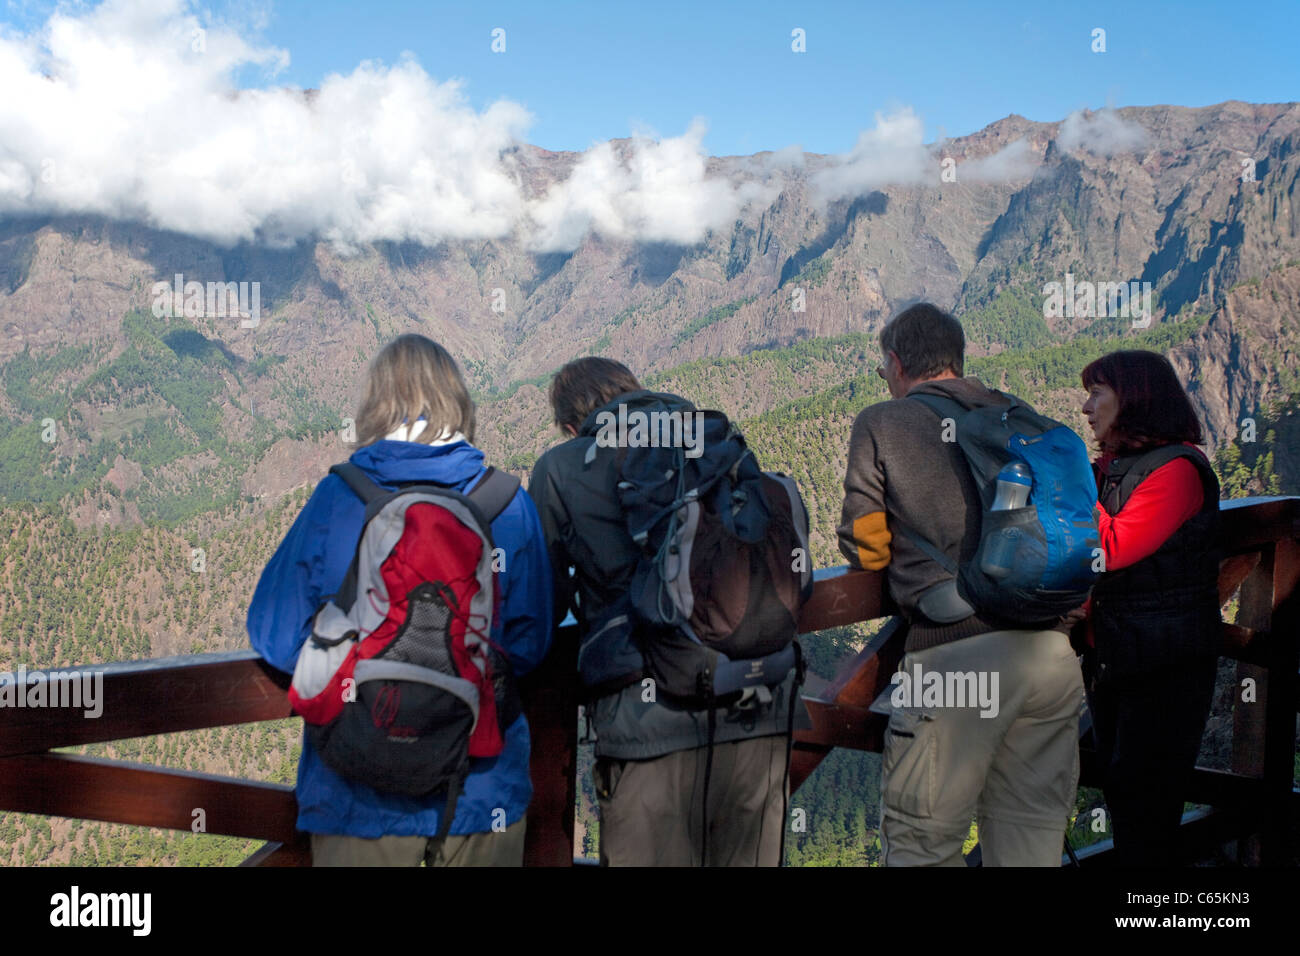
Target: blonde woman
415	424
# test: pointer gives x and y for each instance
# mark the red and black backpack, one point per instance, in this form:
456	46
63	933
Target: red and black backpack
400	682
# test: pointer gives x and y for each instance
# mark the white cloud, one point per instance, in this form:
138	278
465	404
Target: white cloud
659	192
1014	161
890	154
132	110
782	160
1103	133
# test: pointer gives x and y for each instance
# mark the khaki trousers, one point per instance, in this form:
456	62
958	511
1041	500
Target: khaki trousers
473	849
652	811
1016	772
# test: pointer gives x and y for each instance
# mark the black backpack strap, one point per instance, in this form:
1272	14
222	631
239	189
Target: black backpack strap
941	405
905	530
789	744
494	492
358	481
944	407
947	407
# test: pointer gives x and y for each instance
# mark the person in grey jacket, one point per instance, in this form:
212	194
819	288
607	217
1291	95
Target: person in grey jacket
651	754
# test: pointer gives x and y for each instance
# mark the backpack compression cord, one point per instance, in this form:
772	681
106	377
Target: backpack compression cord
669	612
708	771
789	745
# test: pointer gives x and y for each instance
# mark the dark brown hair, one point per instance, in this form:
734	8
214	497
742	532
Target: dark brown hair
1153	407
927	340
585	384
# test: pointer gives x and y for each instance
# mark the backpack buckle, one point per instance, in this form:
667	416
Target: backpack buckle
752	698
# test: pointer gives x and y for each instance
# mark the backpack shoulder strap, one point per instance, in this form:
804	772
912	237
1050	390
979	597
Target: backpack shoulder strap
930	551
941	405
799	518
944	407
494	492
358	481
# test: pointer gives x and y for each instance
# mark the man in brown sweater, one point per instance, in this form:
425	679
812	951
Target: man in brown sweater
984	718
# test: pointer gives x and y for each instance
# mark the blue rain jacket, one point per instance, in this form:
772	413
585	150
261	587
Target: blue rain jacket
308	567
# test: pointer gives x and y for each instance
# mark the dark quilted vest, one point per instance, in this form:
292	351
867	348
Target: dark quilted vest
1163	611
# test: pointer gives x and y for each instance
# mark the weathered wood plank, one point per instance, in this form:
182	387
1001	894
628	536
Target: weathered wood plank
844	596
143	698
90	788
274	853
550	696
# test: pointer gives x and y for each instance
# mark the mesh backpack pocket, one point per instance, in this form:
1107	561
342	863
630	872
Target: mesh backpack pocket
1045	550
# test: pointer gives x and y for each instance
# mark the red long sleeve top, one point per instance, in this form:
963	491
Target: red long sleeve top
1157	508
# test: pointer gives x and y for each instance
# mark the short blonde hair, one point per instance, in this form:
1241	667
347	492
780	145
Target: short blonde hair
414	376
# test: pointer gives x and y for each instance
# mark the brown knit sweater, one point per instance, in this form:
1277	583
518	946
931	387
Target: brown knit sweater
900	467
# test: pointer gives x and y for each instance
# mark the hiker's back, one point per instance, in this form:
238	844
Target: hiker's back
934	492
1001	743
653	769
351	821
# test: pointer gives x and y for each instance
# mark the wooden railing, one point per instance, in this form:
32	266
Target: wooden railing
141	698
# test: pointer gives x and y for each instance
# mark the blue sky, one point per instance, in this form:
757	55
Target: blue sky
126	109
593	71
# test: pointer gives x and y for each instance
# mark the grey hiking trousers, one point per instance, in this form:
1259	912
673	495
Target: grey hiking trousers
652	811
1016	769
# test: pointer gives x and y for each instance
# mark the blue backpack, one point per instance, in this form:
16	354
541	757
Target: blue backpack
1045	551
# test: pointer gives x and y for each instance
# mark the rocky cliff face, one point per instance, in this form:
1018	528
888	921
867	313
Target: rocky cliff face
1247	356
1197	202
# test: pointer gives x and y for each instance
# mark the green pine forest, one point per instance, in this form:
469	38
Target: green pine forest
72	593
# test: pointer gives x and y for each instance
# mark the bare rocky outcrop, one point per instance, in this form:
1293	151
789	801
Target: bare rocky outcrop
1171	205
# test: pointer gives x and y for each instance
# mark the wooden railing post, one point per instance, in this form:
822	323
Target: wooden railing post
550	696
1280	706
1254	611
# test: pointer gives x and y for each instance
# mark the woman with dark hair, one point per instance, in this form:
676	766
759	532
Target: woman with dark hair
1154	614
415	424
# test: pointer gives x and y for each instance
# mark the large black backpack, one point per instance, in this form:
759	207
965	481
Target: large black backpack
724	568
712	608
